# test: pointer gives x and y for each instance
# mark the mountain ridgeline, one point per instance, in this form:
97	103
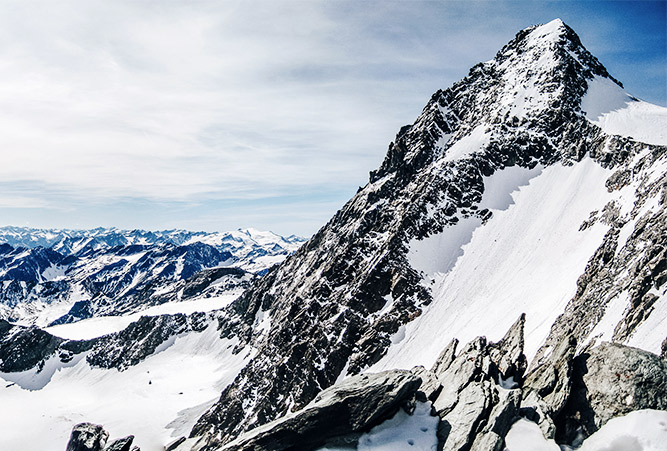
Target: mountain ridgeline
337	304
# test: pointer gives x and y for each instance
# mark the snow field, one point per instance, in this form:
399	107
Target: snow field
526	258
609	107
156	400
103	325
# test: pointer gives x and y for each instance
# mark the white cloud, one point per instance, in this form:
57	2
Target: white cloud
106	101
170	101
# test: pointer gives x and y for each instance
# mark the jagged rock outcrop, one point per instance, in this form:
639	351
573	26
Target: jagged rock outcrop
479	399
353	406
93	437
547	387
478	394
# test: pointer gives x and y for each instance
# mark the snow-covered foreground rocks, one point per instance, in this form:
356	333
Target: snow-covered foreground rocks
478	399
352	406
641	430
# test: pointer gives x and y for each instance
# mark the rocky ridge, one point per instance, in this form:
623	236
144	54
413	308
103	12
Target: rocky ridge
337	302
93	437
27	348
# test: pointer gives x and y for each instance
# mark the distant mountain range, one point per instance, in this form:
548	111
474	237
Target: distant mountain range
56	276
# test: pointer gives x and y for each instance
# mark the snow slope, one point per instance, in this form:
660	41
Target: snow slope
526	258
616	112
98	326
156	400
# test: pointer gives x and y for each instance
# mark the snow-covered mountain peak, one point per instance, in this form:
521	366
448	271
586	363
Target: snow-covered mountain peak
548	32
544	67
486	207
535	82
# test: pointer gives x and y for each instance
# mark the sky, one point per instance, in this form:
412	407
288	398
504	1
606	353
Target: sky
210	115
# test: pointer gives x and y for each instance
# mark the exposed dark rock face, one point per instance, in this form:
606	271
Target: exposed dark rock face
608	381
141	338
87	437
24	348
354	405
93	437
121	444
174	444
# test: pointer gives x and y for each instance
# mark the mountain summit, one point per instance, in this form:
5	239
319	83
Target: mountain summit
522	215
493	203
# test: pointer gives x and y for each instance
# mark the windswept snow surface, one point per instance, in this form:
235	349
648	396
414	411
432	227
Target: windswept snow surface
609	107
641	430
473	142
103	325
156	400
525	259
403	431
650	334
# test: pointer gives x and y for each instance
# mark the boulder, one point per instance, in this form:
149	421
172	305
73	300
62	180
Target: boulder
355	405
87	437
608	381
